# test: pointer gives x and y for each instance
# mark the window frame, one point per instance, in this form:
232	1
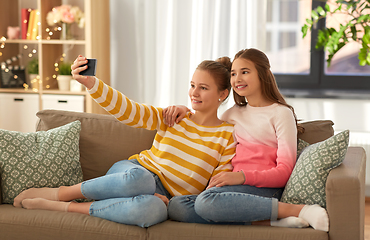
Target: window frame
317	83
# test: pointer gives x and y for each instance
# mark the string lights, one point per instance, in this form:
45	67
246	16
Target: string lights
30	52
51	31
6	64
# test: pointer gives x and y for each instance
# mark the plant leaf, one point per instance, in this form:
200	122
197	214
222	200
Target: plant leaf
362	18
304	30
321	11
314	15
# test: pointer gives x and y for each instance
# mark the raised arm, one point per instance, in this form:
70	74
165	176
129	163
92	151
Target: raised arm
116	103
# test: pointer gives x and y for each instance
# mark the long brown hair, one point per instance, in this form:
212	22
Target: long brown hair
269	86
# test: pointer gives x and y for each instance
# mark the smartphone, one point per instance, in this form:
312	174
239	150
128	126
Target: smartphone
91	67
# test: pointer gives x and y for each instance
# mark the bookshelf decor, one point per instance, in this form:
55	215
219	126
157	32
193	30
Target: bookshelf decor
13	32
63	16
44	44
12	77
66	33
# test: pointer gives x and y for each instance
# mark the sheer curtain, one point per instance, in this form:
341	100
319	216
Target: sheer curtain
157	44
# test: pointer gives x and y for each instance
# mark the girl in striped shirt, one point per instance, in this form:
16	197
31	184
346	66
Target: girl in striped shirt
181	160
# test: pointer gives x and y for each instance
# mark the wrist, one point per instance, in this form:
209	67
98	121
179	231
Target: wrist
242	176
90	83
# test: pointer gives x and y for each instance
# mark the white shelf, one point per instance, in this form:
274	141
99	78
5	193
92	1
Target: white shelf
44	41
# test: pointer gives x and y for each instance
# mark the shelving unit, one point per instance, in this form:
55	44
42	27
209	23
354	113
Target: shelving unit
92	41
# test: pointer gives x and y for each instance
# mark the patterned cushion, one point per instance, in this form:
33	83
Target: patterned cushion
301	144
307	183
39	159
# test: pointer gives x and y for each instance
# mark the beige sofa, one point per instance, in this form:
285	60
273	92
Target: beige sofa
103	141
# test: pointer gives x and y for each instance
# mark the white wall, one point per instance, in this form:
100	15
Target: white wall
352	114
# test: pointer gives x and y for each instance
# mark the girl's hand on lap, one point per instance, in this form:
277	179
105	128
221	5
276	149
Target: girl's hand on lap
227	178
163	198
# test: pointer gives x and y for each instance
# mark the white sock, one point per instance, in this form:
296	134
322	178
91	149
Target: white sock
40	203
316	216
292	222
46	193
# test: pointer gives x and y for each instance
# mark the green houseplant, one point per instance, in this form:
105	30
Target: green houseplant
65	68
33	71
33	66
356	28
65	76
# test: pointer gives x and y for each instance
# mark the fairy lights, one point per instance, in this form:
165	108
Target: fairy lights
52	30
6	64
35	83
30	52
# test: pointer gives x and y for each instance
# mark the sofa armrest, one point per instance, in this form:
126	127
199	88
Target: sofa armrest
345	196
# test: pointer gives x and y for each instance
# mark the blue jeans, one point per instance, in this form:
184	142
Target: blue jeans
125	195
238	204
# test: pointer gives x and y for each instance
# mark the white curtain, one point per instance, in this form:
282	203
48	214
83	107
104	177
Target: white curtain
157	44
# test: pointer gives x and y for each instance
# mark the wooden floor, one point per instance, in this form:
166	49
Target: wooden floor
367	219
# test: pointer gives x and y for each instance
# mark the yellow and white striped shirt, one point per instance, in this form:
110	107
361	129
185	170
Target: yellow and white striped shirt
184	156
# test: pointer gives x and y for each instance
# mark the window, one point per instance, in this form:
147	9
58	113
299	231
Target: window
300	70
287	51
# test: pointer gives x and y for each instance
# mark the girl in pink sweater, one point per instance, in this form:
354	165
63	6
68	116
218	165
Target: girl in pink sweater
266	135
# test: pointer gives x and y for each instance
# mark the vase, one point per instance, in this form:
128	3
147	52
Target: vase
66	33
34	81
75	86
63	82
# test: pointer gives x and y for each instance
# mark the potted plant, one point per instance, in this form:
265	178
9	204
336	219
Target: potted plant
356	28
64	76
33	71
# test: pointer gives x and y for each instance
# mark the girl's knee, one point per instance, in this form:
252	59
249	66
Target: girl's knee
180	208
203	203
152	211
143	210
140	178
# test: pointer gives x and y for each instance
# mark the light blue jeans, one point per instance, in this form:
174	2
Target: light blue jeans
125	195
238	204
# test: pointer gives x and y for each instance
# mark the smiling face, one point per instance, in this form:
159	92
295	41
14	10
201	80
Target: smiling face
204	93
245	80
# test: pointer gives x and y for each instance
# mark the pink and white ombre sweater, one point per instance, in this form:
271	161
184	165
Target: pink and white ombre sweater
266	143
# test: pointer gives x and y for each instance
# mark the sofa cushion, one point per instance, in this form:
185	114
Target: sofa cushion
316	131
103	139
307	182
23	224
39	159
301	145
169	230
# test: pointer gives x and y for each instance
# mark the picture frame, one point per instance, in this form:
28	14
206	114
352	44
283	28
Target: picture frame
12	77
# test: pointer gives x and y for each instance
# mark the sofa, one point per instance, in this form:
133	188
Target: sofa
103	141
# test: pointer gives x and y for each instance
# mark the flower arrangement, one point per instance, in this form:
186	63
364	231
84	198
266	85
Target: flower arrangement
66	14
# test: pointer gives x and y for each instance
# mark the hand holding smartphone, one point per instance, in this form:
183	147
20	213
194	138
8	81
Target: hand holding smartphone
91	68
